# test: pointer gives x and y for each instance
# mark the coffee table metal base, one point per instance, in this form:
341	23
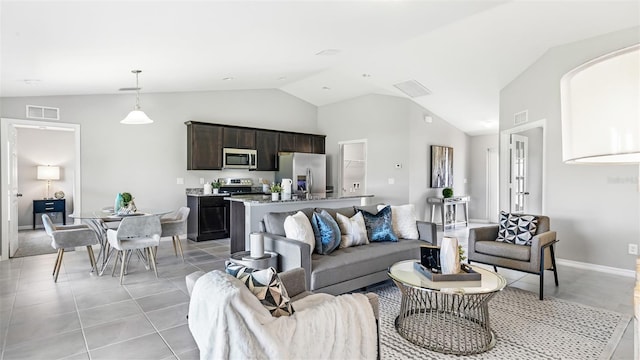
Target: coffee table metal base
449	323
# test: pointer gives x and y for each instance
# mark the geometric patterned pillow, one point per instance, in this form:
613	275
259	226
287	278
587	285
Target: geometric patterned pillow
517	229
265	285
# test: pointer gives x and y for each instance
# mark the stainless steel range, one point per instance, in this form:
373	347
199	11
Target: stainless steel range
235	186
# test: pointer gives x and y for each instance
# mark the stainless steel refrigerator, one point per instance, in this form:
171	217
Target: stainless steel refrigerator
308	172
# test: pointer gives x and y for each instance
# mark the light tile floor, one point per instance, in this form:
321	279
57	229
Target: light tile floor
85	316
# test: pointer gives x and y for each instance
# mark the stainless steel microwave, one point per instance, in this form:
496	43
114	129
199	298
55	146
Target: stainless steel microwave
239	159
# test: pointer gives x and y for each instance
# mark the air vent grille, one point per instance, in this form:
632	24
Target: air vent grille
43	112
413	88
521	117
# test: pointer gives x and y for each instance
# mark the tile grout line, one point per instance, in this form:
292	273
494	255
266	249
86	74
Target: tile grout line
75	302
13	304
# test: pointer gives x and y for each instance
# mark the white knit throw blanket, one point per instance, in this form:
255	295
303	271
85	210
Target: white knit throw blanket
228	322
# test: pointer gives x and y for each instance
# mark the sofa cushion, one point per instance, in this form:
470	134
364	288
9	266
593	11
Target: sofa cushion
298	227
504	250
274	221
373	209
347	211
326	232
517	229
403	219
354	262
266	286
379	226
353	231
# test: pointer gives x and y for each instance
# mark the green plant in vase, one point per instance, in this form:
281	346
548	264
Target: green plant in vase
275	188
447	192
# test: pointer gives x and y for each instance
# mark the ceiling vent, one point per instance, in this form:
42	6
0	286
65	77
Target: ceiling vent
413	88
43	112
520	117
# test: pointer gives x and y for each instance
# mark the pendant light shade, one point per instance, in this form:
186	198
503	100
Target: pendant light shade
601	110
136	116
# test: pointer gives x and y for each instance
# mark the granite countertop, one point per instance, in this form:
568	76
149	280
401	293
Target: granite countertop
266	199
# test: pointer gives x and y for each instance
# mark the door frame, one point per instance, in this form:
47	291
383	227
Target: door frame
5	124
341	164
505	161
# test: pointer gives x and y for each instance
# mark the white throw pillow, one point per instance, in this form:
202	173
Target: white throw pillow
298	227
353	230
403	219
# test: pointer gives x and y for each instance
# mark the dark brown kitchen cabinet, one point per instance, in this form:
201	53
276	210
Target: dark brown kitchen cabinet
297	142
209	218
203	146
318	144
267	145
239	138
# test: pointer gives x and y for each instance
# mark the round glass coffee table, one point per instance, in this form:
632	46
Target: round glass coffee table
450	317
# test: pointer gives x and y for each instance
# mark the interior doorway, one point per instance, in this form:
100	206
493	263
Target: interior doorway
353	167
522	168
10	170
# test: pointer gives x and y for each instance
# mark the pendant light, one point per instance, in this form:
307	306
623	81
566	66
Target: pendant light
136	116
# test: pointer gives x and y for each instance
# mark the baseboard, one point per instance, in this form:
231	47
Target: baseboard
599	268
480	221
29	227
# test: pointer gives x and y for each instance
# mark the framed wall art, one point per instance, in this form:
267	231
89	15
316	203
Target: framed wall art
441	166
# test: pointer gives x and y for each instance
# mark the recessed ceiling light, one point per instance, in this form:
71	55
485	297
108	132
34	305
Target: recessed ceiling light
326	88
282	78
228	78
329	52
366	75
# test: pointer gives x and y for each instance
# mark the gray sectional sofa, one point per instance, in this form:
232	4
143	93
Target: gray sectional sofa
345	269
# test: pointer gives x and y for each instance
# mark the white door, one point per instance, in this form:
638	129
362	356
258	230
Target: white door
12	178
518	194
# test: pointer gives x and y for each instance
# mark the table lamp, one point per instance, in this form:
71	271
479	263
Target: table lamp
46	172
601	121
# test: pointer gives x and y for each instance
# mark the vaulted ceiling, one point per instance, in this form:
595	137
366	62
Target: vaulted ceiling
319	51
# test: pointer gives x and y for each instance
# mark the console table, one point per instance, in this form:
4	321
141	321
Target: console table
48	206
453	202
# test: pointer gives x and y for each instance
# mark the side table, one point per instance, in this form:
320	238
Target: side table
453	202
244	258
48	206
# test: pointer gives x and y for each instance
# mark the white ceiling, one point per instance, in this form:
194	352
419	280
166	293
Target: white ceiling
464	52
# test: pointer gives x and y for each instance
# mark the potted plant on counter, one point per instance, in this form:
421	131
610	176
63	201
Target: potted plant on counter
275	191
216	186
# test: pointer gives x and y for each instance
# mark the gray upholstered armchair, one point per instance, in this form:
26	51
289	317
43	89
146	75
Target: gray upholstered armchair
534	259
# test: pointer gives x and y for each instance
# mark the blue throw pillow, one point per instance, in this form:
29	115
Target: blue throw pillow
326	232
379	226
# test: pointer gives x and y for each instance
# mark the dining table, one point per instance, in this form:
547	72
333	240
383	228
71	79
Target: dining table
102	220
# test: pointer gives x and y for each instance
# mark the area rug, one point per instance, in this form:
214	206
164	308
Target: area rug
33	242
525	327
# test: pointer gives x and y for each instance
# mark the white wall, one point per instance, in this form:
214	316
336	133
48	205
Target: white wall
594	209
43	147
396	134
146	160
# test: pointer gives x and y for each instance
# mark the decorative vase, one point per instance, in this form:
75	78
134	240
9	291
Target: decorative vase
449	257
216	190
275	196
207	189
119	203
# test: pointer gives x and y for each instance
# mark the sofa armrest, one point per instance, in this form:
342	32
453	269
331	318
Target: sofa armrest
375	304
537	242
294	281
292	254
427	232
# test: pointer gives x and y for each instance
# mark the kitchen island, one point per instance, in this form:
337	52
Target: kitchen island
248	210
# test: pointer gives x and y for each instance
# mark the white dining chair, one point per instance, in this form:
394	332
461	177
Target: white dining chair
140	232
174	225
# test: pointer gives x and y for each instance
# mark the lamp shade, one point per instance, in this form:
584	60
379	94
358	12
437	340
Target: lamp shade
46	172
600	103
136	117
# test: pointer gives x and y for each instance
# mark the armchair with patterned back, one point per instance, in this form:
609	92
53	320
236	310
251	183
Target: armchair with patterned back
522	242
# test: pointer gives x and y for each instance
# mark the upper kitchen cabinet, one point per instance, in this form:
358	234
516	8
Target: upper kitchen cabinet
306	143
267	145
203	146
318	144
239	138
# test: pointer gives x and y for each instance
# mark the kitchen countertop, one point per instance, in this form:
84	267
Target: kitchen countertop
266	199
202	195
